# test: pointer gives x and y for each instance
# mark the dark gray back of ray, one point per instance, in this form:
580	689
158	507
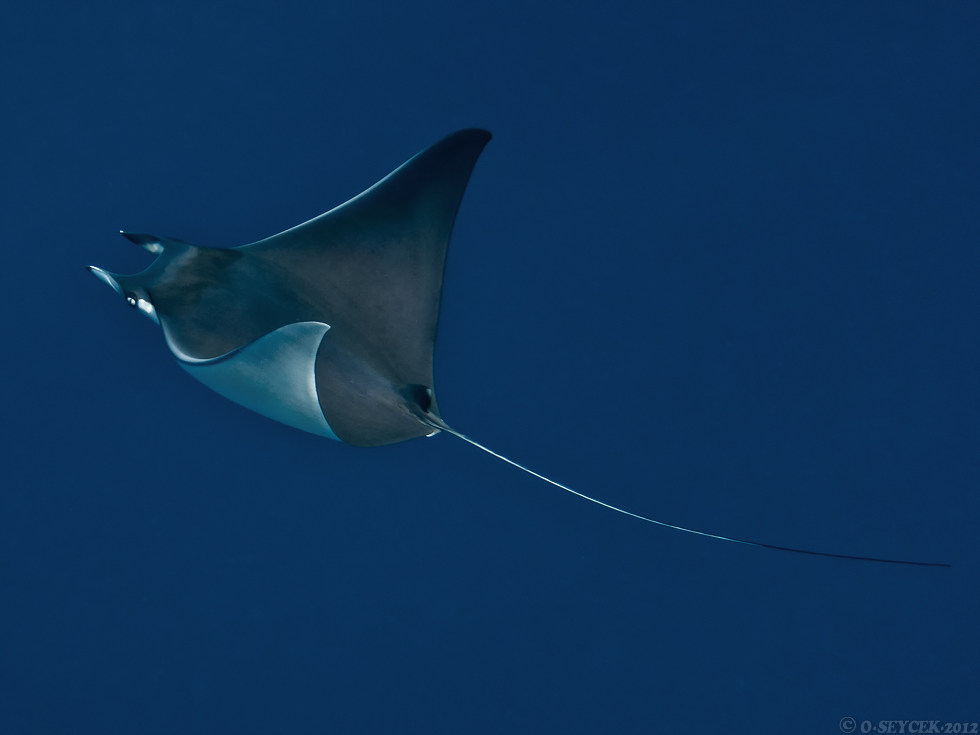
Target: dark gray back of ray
373	269
377	261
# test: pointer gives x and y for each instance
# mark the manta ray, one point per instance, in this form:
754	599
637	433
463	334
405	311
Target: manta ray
330	326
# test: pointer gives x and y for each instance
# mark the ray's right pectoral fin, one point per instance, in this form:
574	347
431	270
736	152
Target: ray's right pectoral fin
376	262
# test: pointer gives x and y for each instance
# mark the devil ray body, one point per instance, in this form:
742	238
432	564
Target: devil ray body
330	326
367	276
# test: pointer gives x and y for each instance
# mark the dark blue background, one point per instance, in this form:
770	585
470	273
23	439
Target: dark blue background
719	265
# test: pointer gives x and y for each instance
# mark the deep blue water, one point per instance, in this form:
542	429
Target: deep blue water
719	266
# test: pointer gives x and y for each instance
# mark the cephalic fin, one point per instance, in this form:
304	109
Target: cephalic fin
151	243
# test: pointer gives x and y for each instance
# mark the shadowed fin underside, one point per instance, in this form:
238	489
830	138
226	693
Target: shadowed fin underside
374	265
286	393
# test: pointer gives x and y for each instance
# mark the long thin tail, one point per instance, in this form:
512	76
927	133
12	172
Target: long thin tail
440	424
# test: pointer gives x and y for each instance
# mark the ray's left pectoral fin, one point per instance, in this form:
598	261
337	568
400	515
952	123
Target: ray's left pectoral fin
274	375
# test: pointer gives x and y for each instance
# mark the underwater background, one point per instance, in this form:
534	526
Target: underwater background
718	266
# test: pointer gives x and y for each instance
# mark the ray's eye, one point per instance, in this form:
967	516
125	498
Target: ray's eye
131	301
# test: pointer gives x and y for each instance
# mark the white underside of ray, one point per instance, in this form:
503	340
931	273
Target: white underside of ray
274	376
